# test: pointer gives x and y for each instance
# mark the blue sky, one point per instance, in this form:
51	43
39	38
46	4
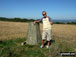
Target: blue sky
56	9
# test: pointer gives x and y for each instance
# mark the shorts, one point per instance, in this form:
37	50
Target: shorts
47	34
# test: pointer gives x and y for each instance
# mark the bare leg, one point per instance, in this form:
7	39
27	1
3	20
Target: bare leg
48	43
43	42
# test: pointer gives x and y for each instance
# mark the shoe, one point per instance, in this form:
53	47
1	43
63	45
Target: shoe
41	46
47	46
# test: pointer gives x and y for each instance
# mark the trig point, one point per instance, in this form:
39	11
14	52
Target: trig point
33	34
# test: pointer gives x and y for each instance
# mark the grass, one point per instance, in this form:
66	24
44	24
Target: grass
11	30
13	48
12	34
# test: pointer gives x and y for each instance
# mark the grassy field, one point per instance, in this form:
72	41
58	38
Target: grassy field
13	34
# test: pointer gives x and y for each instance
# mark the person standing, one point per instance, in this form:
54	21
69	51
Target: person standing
47	22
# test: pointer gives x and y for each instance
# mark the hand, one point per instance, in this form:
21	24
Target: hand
34	22
51	23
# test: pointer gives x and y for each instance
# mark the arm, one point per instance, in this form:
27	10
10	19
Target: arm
50	21
38	21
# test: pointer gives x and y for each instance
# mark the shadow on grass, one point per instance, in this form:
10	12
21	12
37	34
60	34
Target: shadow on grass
1	41
51	41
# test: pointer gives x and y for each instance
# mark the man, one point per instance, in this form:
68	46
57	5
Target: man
46	28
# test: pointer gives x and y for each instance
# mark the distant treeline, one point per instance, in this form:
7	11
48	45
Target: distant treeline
16	19
65	23
29	20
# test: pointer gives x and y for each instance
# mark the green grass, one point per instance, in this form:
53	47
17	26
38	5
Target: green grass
13	48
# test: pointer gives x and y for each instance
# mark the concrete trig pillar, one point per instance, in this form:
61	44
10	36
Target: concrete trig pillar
33	34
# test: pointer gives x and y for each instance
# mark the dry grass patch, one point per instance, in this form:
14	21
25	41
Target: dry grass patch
10	30
61	33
